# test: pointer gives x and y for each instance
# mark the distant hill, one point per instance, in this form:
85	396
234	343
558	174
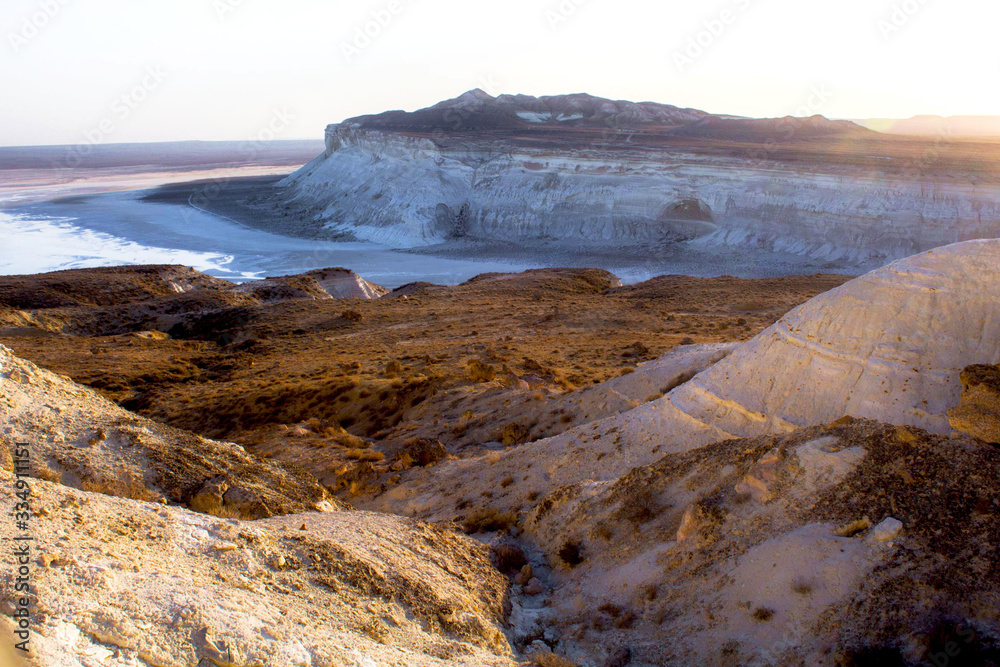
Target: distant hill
476	110
943	126
767	130
161	155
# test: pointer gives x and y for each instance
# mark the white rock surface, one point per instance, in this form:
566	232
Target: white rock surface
344	284
888	346
405	190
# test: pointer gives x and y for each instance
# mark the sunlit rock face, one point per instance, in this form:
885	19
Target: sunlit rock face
888	346
583	171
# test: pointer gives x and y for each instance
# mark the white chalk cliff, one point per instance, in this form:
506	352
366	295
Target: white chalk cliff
568	177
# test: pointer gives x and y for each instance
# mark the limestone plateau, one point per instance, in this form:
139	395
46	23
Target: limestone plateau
581	172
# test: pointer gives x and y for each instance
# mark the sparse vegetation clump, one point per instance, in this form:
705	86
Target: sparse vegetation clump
364	455
640	506
508	558
512	434
550	659
352	315
480	371
489	520
571	553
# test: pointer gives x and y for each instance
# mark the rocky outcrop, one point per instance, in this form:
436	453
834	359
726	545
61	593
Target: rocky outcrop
978	413
319	284
853	544
108	286
121	582
82	440
477	110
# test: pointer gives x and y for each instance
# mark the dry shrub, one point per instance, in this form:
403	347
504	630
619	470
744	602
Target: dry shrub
571	553
512	434
46	474
508	558
129	486
364	455
488	520
481	372
639	506
352	315
393	369
550	659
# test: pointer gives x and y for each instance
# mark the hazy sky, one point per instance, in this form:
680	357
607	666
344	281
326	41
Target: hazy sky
127	70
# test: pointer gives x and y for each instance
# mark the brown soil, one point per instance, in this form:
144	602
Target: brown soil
285	378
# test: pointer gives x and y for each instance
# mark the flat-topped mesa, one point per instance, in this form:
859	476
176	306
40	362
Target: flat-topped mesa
577	171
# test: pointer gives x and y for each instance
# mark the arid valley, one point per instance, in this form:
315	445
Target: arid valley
309	359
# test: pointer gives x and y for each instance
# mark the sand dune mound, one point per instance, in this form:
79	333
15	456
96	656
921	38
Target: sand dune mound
82	440
142	584
890	346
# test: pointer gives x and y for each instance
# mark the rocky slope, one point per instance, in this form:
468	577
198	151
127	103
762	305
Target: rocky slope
890	345
577	171
83	440
323	586
857	543
121	582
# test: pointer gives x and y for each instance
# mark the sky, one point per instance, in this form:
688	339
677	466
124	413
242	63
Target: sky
110	71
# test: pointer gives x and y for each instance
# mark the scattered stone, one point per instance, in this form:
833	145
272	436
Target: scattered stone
689	524
888	530
760	479
423	451
209	498
534	587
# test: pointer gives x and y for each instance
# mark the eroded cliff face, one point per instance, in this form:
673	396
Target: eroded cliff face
406	190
